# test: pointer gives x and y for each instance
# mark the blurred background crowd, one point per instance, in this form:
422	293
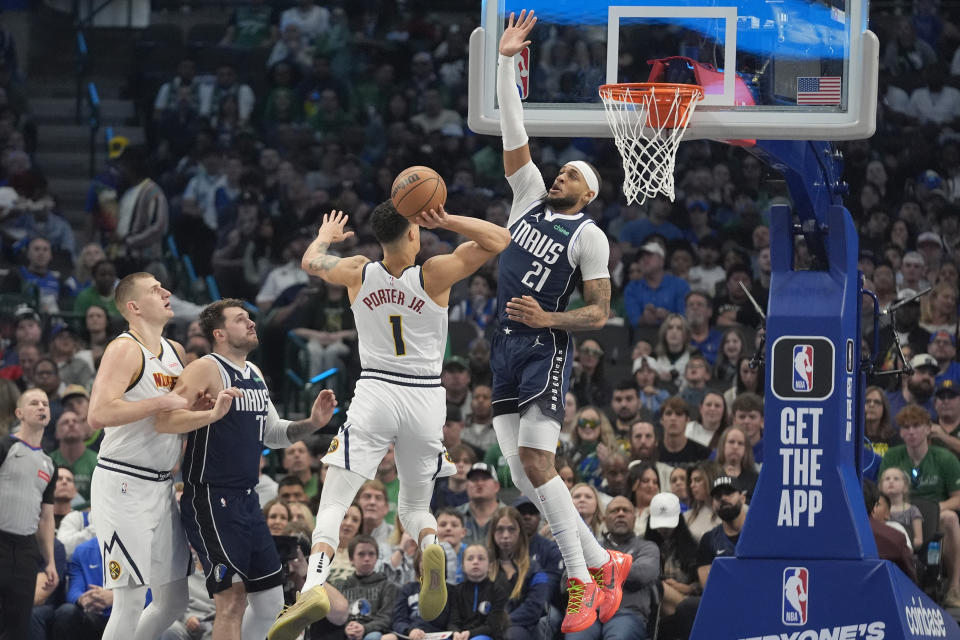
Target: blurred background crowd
249	122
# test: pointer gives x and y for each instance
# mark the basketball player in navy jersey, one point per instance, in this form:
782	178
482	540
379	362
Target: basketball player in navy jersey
554	246
219	508
400	311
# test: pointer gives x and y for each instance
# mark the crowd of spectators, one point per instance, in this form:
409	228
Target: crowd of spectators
661	449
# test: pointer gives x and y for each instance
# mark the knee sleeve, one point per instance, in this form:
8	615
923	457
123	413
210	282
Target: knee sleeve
126	612
261	612
413	507
168	604
338	492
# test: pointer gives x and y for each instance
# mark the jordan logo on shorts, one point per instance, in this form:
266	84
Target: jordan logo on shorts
537	343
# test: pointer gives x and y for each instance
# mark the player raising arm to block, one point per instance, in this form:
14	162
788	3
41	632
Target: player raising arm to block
221	467
554	245
400	312
133	506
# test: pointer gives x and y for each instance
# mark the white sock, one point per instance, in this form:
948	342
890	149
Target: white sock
429	539
561	515
318	568
593	553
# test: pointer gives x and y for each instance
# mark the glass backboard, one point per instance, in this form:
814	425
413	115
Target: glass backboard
771	69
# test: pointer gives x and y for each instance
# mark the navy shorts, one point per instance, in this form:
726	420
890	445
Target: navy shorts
531	368
227	529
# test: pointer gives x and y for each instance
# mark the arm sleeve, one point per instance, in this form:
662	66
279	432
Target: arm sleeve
528	187
275	429
591	252
511	109
48	492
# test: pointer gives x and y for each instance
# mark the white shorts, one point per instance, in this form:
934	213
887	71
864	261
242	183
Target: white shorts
137	522
384	412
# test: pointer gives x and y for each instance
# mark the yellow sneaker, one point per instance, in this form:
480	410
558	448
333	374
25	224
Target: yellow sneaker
311	605
433	582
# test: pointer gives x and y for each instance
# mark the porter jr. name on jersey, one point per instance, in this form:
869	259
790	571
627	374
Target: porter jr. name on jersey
392	296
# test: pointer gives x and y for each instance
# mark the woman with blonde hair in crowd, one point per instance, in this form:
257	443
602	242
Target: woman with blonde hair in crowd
91	254
277	515
701	517
587	502
644	483
735	458
877	424
938	311
673	349
529	586
591	442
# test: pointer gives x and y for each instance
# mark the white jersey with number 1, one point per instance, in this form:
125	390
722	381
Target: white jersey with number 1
402	336
400	329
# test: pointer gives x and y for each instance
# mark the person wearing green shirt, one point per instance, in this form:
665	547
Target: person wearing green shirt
100	292
934	474
74	455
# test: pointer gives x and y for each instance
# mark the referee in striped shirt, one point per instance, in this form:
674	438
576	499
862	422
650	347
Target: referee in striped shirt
27	480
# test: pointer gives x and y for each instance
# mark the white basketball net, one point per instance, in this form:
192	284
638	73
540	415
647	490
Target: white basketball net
648	149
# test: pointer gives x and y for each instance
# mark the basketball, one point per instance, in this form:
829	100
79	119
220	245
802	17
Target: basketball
418	189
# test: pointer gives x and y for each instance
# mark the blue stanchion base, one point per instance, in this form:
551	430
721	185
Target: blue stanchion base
752	599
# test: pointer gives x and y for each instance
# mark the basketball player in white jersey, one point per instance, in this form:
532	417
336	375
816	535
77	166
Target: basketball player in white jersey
400	311
133	506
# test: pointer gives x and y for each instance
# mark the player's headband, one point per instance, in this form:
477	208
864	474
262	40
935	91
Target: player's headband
588	175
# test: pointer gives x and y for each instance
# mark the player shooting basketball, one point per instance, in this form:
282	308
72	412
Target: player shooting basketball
553	245
401	318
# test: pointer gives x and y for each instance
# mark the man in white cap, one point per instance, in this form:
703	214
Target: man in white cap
648	300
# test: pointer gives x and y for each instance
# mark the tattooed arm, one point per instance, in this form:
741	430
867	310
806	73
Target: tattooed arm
593	315
317	262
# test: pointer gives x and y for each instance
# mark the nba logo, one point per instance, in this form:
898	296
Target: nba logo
803	367
523	72
795	595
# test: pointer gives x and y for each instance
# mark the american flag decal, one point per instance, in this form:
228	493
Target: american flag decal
822	90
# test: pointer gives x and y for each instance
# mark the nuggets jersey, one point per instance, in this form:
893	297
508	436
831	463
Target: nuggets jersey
138	443
538	262
400	329
227	453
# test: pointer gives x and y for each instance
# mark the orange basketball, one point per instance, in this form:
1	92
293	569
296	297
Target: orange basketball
418	189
